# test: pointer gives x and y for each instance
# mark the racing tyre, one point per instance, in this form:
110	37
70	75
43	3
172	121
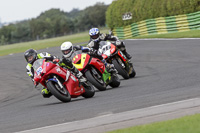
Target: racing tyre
133	73
61	94
89	90
120	69
115	81
98	83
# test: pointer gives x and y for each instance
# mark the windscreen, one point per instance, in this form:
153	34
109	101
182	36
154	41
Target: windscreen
37	64
104	47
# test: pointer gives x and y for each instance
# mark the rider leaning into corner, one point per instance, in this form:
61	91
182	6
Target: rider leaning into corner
31	56
69	51
96	37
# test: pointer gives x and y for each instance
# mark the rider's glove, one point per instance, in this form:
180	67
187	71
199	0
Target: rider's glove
79	75
110	33
102	36
77	47
56	61
93	52
118	42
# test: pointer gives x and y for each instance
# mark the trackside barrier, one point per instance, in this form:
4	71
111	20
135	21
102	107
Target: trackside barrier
160	25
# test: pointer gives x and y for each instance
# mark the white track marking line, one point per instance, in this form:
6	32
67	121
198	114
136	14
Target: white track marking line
118	117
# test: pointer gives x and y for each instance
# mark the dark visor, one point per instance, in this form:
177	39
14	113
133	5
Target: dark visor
95	36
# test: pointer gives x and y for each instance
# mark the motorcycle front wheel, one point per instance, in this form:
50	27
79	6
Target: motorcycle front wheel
98	83
120	69
60	93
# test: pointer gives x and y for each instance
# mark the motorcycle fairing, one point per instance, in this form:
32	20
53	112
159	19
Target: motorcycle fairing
106	76
113	48
122	56
71	82
98	64
104	56
111	52
80	61
86	59
73	88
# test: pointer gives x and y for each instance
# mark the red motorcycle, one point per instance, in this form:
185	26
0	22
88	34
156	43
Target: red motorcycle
60	82
94	70
115	56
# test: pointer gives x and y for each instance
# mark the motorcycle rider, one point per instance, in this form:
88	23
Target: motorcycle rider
96	37
68	51
31	56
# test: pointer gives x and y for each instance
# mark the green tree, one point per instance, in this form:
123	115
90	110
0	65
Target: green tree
2	42
6	31
54	22
93	16
21	32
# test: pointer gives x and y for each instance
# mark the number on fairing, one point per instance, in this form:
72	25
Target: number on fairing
106	49
39	70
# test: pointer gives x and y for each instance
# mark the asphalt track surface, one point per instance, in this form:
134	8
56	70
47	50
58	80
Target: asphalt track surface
167	71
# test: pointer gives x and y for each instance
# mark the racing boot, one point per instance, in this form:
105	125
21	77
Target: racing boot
46	93
127	54
123	49
131	64
80	77
110	68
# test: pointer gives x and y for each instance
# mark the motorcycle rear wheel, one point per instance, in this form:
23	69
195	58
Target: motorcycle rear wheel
54	88
89	90
115	81
94	80
120	69
133	73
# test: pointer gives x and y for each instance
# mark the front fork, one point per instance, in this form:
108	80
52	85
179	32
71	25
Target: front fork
55	79
128	66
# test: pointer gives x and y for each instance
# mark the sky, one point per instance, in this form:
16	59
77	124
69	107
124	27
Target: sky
18	10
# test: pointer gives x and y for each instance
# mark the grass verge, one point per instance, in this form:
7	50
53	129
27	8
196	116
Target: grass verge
187	124
185	34
41	44
82	37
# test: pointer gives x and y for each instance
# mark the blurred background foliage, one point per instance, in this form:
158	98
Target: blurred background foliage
54	23
147	9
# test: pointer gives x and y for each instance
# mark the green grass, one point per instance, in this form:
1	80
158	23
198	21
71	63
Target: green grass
41	44
185	34
187	124
79	38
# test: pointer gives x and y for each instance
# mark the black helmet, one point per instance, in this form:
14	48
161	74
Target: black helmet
30	55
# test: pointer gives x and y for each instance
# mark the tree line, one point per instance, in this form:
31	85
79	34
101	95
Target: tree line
53	23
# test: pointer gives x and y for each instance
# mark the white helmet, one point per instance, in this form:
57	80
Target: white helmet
67	49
